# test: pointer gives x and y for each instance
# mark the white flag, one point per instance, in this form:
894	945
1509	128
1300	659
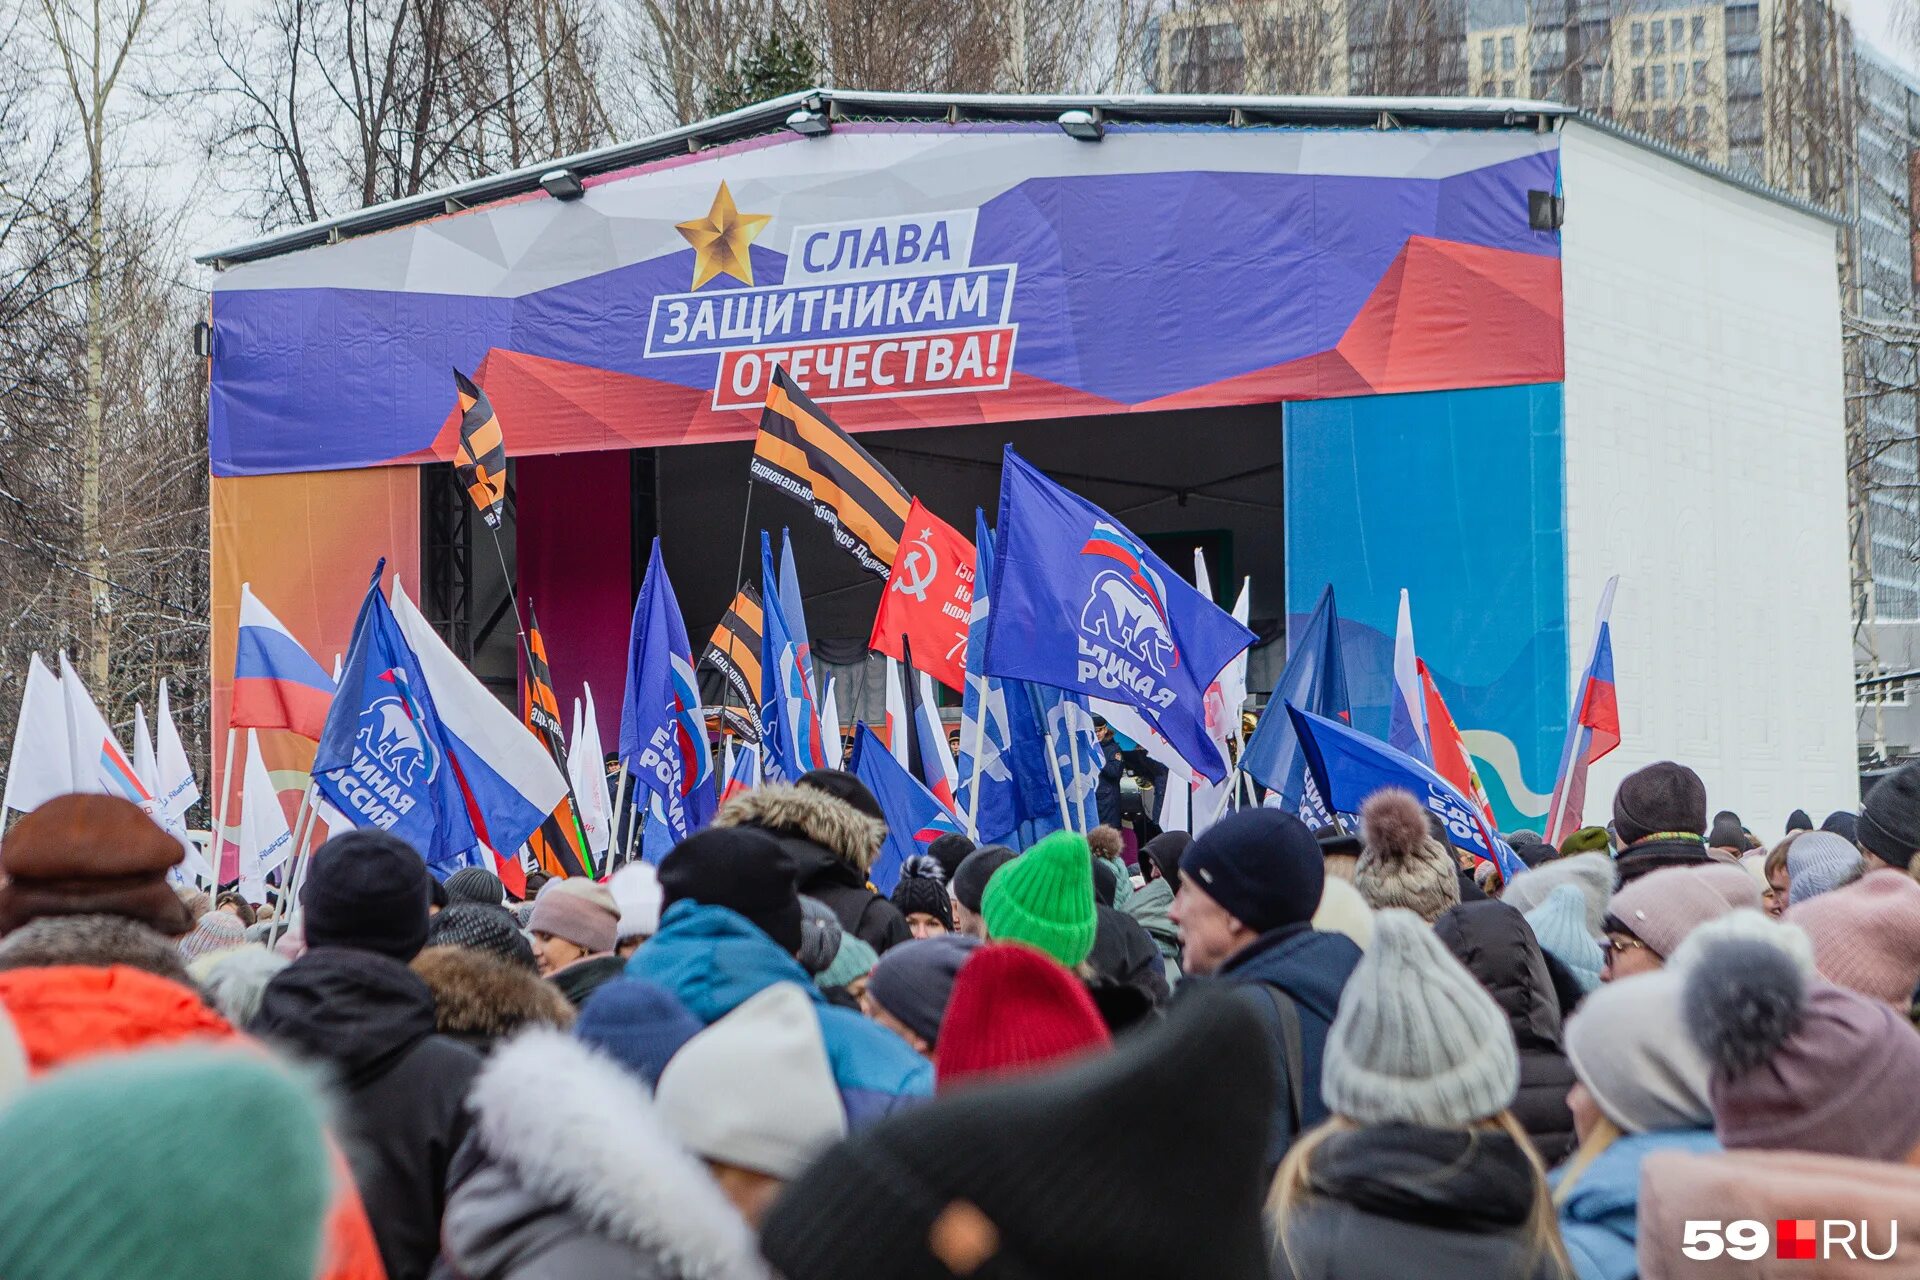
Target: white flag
942	749
100	765
830	725
587	770
42	765
176	791
145	767
265	840
897	714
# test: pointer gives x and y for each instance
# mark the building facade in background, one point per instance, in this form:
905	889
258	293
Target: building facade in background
1775	91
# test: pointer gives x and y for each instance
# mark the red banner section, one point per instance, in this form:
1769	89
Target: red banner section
873	368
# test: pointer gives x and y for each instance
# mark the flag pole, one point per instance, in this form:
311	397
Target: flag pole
620	815
979	745
289	892
1053	767
1556	812
226	802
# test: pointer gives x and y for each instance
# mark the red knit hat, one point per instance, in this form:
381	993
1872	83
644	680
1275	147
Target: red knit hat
1014	1009
1866	935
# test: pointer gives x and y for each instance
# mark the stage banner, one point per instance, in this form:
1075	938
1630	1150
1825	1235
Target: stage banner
907	275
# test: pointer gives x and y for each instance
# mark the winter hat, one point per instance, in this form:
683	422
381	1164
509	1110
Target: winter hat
854	960
1585	840
1417	1040
1662	907
741	868
1889	826
949	851
1105	883
1866	936
1013	1010
1754	926
970	880
1842	823
367	891
476	884
820	934
1560	926
436	893
112	1170
90	855
1591	873
1021	1179
1342	910
1728	832
1817	863
755	1089
1801	1065
844	787
1629	1046
1044	898
1663	797
638	1024
1164	852
914	980
479	927
236	981
1798	821
1734	883
923	888
636	891
95	941
1262	865
580	911
216	931
1401	864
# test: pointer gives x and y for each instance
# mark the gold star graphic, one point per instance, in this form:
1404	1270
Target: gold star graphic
721	238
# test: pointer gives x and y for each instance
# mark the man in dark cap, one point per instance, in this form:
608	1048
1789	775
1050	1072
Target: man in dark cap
352	1004
1660	820
1888	831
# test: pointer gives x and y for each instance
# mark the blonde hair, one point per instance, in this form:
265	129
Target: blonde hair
1292	1188
1603	1135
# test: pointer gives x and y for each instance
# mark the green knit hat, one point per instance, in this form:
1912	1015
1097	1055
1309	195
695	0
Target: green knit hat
854	959
112	1170
1044	898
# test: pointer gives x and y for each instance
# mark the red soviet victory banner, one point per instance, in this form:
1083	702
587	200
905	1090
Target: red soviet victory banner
928	598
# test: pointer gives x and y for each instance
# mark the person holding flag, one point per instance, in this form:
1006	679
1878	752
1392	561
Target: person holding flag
915	817
663	729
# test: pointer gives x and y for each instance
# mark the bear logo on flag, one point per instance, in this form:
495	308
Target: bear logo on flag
389	735
1123	616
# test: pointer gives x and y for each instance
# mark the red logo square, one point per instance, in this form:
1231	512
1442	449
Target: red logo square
1794	1238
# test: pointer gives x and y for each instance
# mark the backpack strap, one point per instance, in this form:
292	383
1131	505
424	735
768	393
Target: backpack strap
1292	1048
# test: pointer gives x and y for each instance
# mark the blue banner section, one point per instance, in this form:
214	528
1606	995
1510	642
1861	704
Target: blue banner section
1459	497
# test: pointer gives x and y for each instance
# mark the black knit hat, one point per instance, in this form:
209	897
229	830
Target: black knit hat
437	893
950	851
742	869
1799	821
1262	865
1661	797
970	880
479	927
1164	851
923	888
1024	1173
1105	883
368	891
476	884
844	787
1889	826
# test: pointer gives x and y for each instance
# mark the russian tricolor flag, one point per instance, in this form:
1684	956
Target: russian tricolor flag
1593	729
276	683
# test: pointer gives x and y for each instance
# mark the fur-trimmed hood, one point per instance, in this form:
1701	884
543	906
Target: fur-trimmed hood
575	1134
481	998
811	815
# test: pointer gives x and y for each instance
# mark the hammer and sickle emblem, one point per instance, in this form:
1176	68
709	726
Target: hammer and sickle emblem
916	582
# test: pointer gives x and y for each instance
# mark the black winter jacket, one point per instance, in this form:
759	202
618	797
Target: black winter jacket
832	845
1497	946
1637	860
370	1021
1391	1202
1124	952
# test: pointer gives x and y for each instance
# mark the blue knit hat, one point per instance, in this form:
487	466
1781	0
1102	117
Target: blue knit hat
637	1024
1818	862
1559	924
855	959
1262	865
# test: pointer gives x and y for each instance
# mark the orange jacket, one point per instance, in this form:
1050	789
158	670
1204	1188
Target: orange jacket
67	1013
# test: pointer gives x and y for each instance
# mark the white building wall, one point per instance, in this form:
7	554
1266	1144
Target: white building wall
1705	456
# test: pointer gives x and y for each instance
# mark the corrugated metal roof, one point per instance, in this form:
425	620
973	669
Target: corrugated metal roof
1250	111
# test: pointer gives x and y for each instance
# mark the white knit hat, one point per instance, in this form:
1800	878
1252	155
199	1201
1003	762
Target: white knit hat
1418	1040
636	888
755	1089
1630	1046
1591	873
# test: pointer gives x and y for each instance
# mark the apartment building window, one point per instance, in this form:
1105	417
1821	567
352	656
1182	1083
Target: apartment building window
1743	20
1659	82
1639	84
1506	88
1700	127
1486	53
1679	29
1700	77
1679	79
1743	75
1743	121
1506	53
1699	32
1639	39
1657	37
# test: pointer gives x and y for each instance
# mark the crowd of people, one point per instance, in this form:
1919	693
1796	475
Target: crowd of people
1260	1051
